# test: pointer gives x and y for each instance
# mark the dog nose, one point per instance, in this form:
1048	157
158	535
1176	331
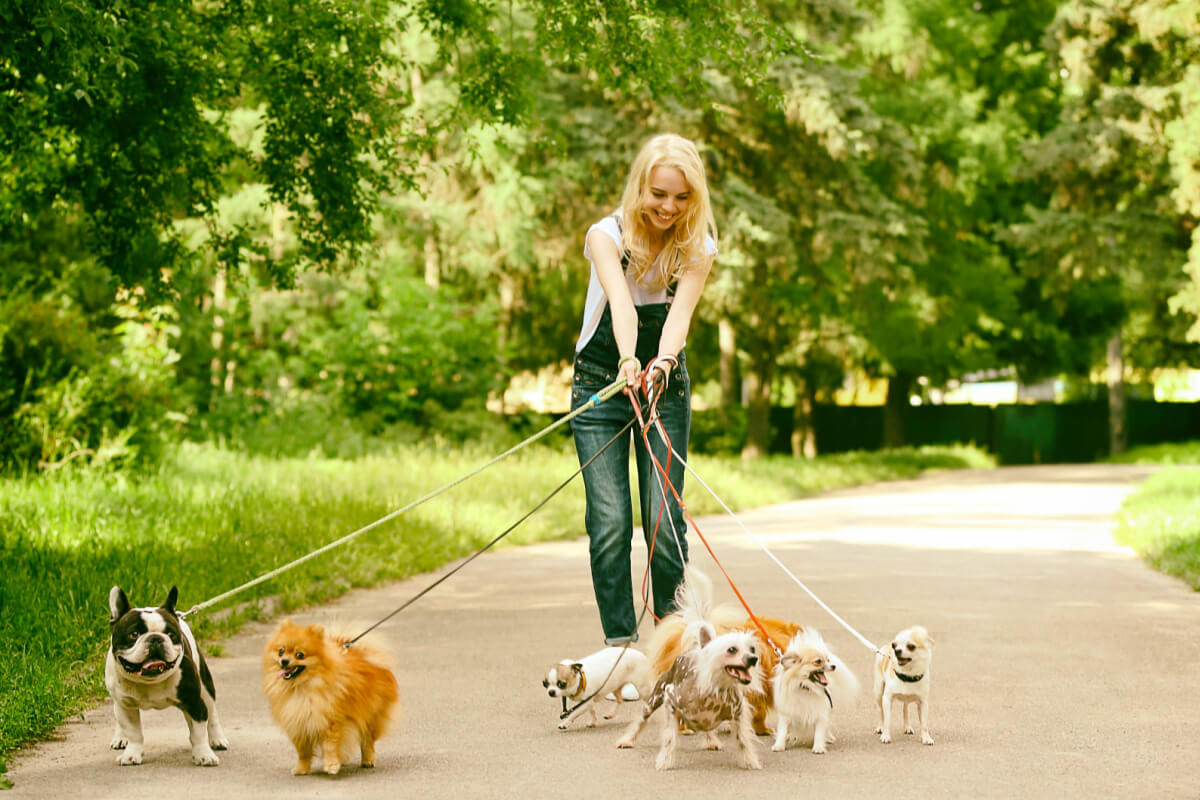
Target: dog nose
751	661
283	662
551	693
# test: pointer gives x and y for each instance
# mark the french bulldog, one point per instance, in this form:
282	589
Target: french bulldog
153	662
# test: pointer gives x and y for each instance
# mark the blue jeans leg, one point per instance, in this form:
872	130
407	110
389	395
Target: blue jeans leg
670	541
609	514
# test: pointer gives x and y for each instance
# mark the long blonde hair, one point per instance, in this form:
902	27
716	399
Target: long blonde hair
684	247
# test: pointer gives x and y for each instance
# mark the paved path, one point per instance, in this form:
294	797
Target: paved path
1064	668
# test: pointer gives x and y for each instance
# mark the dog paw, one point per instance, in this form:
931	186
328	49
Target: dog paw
333	768
663	762
625	744
751	762
205	758
886	738
562	726
591	723
908	731
129	758
301	768
219	743
819	749
778	747
926	738
118	744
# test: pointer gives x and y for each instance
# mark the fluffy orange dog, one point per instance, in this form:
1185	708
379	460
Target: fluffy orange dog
326	696
666	645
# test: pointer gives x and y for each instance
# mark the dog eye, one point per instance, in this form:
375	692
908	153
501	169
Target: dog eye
281	651
299	655
731	650
561	684
133	637
911	647
546	683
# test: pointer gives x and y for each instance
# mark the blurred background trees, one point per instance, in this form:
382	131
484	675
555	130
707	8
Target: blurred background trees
303	224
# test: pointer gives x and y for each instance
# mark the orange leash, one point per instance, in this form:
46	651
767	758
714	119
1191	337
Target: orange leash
656	423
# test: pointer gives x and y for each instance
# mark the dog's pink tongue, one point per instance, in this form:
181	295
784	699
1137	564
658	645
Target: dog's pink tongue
154	666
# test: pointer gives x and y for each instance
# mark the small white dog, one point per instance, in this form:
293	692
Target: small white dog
903	675
708	684
610	672
809	682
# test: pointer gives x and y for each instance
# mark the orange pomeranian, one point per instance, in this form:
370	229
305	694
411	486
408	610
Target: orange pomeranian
326	696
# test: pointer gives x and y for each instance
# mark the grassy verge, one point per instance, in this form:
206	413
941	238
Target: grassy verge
1161	520
212	519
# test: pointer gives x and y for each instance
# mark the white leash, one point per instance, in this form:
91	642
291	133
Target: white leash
864	640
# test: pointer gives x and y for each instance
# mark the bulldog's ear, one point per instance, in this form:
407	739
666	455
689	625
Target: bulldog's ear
118	604
172	597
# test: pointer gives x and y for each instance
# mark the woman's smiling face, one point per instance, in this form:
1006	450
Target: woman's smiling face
667	197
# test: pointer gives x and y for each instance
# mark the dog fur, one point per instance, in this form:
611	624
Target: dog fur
903	674
707	684
607	671
809	682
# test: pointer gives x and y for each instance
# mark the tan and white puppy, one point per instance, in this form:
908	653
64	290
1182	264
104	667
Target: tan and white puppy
708	684
809	682
903	674
611	671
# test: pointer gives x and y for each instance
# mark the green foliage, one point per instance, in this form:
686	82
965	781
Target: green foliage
338	359
1172	453
1115	211
70	390
719	431
1161	522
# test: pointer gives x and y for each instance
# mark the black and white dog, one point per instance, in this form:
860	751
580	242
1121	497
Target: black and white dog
154	663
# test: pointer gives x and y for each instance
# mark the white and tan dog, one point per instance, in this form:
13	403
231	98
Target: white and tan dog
610	671
809	682
903	674
708	684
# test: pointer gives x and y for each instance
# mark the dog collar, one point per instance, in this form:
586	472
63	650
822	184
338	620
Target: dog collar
582	685
810	687
908	678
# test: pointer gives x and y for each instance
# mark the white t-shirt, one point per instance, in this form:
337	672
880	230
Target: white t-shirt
597	301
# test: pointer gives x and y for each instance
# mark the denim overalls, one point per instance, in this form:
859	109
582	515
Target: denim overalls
609	515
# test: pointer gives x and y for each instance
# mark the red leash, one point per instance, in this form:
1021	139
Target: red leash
656	423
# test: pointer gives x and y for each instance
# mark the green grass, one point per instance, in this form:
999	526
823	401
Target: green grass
212	519
1175	453
1161	520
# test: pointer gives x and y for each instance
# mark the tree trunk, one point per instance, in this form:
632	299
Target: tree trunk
804	437
216	366
432	272
731	395
1117	442
895	409
758	400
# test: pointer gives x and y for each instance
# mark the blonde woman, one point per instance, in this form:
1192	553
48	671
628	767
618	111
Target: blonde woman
649	261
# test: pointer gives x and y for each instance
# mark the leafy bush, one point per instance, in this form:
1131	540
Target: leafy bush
718	431
71	388
343	363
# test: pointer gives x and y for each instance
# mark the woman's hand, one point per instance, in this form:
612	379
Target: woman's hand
630	369
658	372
